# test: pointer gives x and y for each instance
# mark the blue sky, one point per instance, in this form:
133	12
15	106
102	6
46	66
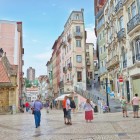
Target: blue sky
43	21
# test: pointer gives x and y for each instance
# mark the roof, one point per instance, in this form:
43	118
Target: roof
3	74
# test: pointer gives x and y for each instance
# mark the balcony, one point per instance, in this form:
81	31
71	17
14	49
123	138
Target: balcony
64	43
78	34
121	34
22	50
69	37
134	22
124	63
88	63
99	13
119	5
61	84
64	70
112	62
70	66
136	58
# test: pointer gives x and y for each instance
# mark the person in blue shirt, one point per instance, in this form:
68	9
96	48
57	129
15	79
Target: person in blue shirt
37	111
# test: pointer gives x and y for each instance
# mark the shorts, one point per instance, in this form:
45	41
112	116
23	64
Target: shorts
135	108
65	112
124	108
69	114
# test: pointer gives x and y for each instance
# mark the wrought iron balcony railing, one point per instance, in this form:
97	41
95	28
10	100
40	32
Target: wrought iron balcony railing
135	21
119	5
78	34
112	61
70	66
99	13
121	34
64	70
69	37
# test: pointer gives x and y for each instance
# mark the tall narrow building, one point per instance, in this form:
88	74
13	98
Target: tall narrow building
11	43
31	74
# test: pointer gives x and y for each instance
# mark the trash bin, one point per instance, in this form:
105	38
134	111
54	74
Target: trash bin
96	109
13	109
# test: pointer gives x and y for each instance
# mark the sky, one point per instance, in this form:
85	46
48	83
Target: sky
43	21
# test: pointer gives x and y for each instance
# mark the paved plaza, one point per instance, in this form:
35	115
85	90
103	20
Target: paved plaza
108	126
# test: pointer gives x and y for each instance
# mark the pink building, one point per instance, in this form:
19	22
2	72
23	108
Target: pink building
11	43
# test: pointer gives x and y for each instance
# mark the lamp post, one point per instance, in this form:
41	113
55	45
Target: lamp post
107	102
1	52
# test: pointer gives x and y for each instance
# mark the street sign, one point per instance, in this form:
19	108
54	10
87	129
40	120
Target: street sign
120	79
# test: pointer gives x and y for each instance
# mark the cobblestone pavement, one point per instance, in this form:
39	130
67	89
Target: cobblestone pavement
108	126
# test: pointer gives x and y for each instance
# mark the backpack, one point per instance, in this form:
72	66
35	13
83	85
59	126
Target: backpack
72	104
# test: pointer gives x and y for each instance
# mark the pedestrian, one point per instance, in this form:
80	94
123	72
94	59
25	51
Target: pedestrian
51	106
88	111
68	109
64	109
135	103
27	106
124	106
37	111
47	107
72	105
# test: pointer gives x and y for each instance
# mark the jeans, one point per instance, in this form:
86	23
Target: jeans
27	109
37	116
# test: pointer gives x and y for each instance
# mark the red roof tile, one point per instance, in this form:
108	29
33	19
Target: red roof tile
3	74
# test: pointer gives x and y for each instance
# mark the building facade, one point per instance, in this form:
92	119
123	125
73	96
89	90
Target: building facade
70	64
31	74
122	37
8	85
11	43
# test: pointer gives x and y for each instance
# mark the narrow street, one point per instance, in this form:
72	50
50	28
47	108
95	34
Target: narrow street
108	126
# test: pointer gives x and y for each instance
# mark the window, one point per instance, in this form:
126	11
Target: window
133	9
87	53
101	50
90	75
79	76
137	49
129	13
78	29
121	22
104	48
78	43
77	16
79	58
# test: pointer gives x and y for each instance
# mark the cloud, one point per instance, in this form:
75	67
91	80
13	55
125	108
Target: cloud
43	56
91	38
34	40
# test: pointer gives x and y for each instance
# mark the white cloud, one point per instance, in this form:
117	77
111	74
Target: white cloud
43	56
91	38
34	40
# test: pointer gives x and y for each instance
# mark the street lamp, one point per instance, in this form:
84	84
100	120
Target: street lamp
107	101
1	52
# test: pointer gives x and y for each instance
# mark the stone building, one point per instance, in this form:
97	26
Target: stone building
8	85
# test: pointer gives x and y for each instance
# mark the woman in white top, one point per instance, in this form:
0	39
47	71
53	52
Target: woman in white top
88	111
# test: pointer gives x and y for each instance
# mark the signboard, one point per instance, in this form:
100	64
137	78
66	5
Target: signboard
120	79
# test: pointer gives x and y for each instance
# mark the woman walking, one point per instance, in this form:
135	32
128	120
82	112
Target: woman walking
124	107
88	111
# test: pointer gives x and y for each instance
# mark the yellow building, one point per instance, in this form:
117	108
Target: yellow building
8	85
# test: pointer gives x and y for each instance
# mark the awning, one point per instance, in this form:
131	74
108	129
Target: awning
60	98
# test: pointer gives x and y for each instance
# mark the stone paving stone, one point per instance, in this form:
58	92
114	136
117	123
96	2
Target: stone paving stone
108	126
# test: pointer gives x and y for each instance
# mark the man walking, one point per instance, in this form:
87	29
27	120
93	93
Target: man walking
37	113
135	103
